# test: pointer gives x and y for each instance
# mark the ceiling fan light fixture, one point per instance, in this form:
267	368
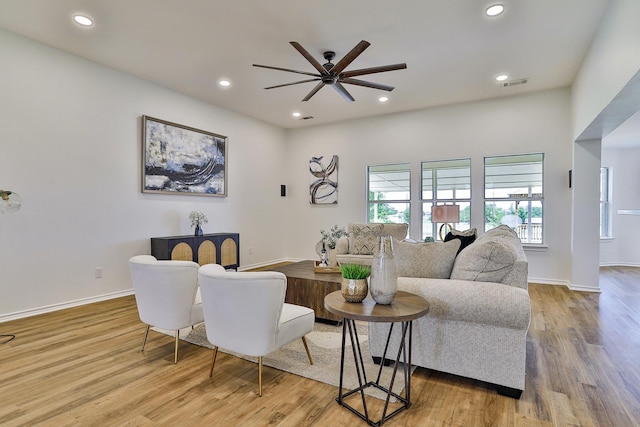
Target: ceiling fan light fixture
494	10
83	20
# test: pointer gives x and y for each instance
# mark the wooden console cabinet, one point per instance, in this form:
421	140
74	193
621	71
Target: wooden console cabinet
215	248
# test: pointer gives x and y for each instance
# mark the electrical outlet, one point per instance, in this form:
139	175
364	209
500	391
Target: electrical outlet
250	250
99	271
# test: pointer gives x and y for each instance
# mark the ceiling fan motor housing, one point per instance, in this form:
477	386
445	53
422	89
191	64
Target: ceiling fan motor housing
329	79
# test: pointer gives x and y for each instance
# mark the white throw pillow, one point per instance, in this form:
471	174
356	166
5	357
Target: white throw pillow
487	260
364	238
432	260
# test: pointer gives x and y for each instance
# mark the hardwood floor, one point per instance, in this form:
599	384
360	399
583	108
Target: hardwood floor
83	366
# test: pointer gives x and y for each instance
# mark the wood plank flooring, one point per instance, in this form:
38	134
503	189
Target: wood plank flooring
83	366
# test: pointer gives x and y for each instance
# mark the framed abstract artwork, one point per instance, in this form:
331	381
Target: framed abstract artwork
324	180
178	159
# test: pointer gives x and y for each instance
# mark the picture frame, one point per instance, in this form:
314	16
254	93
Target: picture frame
178	159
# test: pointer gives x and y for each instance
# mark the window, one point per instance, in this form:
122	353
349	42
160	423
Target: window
513	194
389	189
446	182
605	202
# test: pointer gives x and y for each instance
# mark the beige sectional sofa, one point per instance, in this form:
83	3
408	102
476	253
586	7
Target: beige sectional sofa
479	312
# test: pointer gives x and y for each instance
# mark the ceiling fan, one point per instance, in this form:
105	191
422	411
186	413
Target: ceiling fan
334	74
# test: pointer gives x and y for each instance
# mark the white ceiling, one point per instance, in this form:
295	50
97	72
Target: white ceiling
451	48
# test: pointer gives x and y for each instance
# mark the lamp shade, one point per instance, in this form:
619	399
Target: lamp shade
445	214
9	201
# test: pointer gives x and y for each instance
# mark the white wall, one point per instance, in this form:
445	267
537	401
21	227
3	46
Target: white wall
539	122
604	95
613	59
623	248
70	135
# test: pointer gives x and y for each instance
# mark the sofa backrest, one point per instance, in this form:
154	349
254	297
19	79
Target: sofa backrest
397	231
496	256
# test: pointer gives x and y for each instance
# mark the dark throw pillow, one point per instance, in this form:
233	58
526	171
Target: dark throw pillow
466	237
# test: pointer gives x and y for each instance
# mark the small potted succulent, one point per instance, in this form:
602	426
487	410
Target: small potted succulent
354	282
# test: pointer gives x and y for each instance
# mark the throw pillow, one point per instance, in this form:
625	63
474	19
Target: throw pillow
466	237
499	232
487	260
364	238
432	260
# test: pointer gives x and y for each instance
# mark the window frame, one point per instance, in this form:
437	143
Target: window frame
606	213
435	200
518	198
371	202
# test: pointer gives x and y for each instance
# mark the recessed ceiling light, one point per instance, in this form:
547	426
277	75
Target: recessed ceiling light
383	99
224	83
502	77
494	10
83	20
296	114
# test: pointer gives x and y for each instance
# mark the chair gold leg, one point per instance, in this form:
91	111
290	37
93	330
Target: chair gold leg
146	333
175	352
306	347
213	360
260	376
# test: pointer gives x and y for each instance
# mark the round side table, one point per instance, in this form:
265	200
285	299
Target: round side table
404	309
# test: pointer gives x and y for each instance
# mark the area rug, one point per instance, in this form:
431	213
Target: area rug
324	345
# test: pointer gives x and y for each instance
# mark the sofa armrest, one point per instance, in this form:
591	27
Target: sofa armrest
342	245
486	303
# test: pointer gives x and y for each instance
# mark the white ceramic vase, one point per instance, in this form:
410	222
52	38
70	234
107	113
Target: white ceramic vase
383	284
331	256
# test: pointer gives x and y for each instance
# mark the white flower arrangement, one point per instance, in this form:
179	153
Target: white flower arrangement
198	218
330	238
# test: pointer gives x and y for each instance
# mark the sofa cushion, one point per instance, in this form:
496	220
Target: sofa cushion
432	260
466	237
355	259
364	238
485	260
397	231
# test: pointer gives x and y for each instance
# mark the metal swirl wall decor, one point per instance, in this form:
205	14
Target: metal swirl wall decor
324	180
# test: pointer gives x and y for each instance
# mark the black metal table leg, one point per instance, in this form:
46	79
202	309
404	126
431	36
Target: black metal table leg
362	376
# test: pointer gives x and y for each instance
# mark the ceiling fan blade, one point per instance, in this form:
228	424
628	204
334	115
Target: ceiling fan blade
374	70
367	84
309	58
349	57
286	69
343	92
294	83
313	91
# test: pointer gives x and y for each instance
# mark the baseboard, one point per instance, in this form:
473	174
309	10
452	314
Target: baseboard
62	306
565	283
619	264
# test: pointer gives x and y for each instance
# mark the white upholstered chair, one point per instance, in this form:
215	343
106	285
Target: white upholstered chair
245	312
166	294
